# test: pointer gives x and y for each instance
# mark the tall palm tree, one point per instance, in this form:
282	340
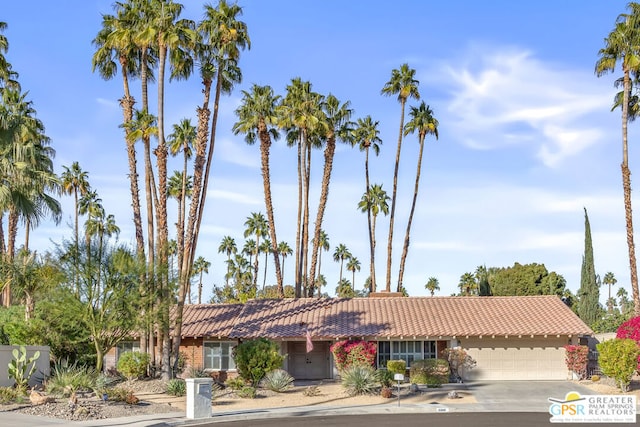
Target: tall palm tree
221	36
228	246
75	181
266	248
339	128
423	122
114	45
623	45
250	248
341	253
432	285
182	140
366	135
256	225
200	266
7	75
301	115
609	280
323	244
374	201
257	120
353	265
404	85
284	250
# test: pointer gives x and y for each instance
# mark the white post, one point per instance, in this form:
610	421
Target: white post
199	397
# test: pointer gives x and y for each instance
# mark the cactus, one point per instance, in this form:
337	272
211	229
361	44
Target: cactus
21	369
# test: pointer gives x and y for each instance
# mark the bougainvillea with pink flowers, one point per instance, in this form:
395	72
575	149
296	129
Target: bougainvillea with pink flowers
630	330
348	353
577	358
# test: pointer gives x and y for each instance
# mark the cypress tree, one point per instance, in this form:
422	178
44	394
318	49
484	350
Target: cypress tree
589	293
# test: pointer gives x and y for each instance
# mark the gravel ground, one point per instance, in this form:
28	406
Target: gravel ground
90	407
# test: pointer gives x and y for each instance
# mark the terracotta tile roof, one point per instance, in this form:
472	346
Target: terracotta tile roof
405	317
209	320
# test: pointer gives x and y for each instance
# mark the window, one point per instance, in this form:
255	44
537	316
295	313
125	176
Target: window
217	356
405	350
126	346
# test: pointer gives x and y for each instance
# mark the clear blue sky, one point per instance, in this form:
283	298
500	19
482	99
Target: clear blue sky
527	138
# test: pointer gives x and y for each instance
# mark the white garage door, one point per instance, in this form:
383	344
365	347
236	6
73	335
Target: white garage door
516	359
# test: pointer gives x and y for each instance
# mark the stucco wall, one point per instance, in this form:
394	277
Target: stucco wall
42	371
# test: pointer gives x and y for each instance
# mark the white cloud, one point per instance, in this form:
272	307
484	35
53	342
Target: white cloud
505	96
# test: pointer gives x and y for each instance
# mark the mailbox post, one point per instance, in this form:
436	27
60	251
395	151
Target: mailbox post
199	397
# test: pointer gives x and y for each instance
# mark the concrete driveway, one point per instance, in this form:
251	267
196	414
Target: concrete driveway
521	396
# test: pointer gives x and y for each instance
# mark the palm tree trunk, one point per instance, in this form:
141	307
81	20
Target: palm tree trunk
305	224
393	198
626	185
298	284
265	145
329	153
405	248
372	268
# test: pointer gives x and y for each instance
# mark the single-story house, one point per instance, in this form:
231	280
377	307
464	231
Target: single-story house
511	338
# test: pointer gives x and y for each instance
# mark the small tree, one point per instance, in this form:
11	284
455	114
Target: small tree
459	361
618	359
576	358
255	358
353	353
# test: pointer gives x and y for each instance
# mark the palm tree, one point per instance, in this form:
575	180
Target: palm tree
423	122
200	266
228	246
7	76
339	128
404	85
256	225
250	248
221	37
622	45
181	139
323	244
468	284
432	285
344	289
301	115
610	280
75	181
266	248
284	250
257	119
353	265
339	255
366	134
114	45
374	201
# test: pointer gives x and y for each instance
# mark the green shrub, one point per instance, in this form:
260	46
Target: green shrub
359	379
432	372
255	358
67	379
103	381
235	383
133	364
8	395
385	377
618	359
397	366
177	387
119	394
277	380
247	392
311	391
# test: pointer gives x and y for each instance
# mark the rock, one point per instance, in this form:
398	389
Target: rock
453	395
37	398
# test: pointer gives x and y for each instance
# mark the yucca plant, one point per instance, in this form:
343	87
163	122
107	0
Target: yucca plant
67	379
277	380
176	387
360	380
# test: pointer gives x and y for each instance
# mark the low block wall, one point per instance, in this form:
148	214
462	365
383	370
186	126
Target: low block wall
42	370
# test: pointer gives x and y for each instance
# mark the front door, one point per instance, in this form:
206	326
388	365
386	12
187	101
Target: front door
309	366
